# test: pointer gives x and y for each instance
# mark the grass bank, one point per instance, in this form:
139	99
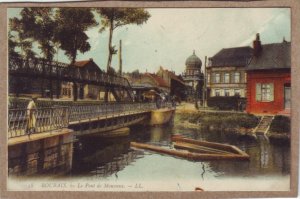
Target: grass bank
238	122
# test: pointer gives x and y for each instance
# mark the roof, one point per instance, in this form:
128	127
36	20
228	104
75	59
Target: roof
238	56
141	85
160	82
172	75
82	63
193	61
273	56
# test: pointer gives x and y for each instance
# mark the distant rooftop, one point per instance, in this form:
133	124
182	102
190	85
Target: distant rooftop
238	56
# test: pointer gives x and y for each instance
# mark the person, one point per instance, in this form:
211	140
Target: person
31	119
173	101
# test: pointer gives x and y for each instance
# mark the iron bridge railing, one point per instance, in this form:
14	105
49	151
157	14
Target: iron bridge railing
49	119
43	119
61	71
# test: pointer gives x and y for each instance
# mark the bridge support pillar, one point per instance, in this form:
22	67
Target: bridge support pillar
161	116
41	153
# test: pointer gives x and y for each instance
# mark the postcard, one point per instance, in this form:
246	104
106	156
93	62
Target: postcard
126	98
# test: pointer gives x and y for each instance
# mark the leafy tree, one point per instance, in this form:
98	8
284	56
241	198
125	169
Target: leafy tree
12	44
18	38
113	18
71	26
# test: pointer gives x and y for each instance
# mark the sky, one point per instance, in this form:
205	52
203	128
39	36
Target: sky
171	34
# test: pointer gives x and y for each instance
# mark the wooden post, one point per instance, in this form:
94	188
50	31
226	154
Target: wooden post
204	84
51	82
120	58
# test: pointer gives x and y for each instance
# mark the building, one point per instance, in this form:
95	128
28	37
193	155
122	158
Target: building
226	75
269	78
142	83
177	85
192	77
84	91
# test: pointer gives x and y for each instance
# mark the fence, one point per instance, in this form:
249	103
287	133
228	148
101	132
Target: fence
43	119
62	71
47	119
78	113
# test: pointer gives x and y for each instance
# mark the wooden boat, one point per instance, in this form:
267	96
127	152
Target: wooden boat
206	147
206	153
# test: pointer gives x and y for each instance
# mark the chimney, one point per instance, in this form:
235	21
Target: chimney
257	46
284	41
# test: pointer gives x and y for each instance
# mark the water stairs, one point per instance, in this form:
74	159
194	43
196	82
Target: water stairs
264	125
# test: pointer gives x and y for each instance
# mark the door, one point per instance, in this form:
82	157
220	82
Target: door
287	97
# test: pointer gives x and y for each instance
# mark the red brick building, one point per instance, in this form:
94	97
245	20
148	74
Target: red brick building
269	78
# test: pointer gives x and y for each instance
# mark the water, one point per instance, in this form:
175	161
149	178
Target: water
113	161
111	165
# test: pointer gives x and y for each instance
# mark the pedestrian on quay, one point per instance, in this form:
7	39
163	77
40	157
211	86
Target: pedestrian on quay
31	118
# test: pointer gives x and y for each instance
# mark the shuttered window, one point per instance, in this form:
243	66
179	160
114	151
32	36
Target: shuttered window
265	92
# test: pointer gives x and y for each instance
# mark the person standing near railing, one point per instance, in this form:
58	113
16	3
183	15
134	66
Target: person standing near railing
31	119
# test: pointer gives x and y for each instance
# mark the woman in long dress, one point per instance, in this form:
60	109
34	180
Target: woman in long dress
31	119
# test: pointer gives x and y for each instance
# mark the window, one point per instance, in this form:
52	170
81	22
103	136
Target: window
265	92
65	91
217	78
237	92
208	78
217	92
227	92
236	77
226	78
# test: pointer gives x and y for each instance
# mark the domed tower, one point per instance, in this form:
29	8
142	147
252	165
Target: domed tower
193	76
193	65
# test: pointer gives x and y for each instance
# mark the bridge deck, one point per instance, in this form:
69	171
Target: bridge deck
38	136
115	115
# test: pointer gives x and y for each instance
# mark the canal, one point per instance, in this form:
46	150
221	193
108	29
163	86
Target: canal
109	164
113	161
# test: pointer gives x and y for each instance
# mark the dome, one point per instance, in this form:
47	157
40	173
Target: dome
193	62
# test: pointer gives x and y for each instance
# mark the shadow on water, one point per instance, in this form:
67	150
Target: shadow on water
105	157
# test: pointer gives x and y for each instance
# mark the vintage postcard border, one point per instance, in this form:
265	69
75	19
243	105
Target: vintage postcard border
295	10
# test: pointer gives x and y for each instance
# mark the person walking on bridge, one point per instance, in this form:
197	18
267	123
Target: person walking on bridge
31	119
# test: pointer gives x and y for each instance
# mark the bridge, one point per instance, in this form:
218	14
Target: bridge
83	119
61	72
50	146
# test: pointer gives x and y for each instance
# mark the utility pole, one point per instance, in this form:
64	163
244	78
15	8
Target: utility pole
120	58
204	93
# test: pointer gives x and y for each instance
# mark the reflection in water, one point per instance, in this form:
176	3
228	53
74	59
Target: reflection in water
108	158
103	158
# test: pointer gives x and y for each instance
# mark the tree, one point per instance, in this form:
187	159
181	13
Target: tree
18	38
12	44
71	26
113	18
38	25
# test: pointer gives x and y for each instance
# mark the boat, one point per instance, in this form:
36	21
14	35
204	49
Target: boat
197	150
191	144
